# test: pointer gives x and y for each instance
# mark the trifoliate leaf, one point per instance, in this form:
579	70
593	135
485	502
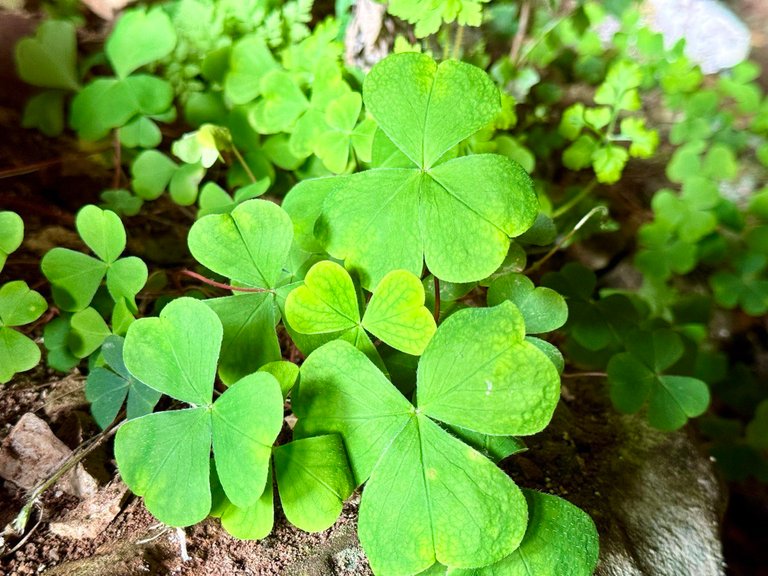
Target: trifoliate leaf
281	104
417	494
141	133
410	224
644	141
165	457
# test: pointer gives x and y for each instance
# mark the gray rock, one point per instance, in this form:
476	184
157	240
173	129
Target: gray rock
715	38
654	496
31	453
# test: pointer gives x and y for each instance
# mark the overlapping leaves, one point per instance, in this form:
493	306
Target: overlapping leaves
165	456
386	219
249	246
327	304
428	494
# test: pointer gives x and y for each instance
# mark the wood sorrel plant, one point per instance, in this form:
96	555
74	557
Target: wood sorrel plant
433	498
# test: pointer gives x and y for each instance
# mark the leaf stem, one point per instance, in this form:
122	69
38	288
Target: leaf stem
522	29
243	163
117	158
457	42
536	265
584	375
221	285
583	193
437	299
20	522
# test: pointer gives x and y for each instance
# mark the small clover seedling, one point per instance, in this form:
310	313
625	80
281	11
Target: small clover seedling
327	304
165	456
636	377
75	276
428	495
386	219
18	306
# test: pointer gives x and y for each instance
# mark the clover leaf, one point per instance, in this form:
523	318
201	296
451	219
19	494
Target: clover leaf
108	103
140	37
386	219
165	456
544	309
636	376
561	540
428	494
11	234
18	306
49	59
327	303
75	276
314	480
249	245
108	387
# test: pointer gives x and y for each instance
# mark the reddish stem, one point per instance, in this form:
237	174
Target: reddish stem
210	282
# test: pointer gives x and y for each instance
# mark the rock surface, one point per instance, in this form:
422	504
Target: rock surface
30	454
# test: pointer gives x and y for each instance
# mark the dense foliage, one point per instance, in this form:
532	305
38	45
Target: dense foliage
406	229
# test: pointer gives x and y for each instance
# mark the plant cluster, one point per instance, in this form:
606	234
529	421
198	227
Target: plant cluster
411	212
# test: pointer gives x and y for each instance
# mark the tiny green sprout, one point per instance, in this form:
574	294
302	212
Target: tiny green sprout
75	276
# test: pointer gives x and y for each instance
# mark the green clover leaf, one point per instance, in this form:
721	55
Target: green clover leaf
108	387
140	37
75	276
49	59
327	304
249	245
561	540
11	234
544	309
165	456
477	373
18	306
250	60
404	215
636	377
314	480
